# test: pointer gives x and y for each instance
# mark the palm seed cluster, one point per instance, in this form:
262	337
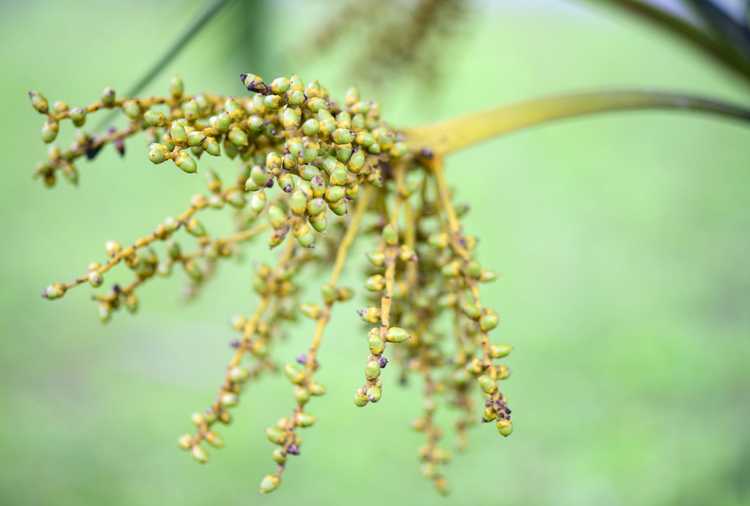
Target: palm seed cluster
315	175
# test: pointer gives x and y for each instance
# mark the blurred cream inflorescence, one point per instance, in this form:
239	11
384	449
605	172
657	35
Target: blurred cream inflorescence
315	175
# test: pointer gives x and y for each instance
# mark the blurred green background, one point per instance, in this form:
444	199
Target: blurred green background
623	243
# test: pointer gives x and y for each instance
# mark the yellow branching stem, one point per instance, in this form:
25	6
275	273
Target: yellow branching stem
467	274
145	263
454	134
236	375
389	253
209	250
87	145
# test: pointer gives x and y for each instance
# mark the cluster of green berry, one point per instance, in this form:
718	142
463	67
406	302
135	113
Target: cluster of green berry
421	269
314	176
385	260
85	145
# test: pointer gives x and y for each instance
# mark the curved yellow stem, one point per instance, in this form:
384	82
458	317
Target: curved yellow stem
448	136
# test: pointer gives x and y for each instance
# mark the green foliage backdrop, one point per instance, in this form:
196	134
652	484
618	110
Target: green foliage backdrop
622	242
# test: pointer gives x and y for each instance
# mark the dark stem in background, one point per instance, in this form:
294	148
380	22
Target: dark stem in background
735	34
192	29
723	54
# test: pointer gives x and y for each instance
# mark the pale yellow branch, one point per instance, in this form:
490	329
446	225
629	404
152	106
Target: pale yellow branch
448	136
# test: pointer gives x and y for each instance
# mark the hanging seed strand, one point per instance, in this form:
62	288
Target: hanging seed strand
284	434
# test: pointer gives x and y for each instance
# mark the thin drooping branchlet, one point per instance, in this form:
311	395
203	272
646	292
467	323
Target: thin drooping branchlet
145	263
301	375
467	274
433	456
462	398
274	287
425	279
89	145
425	353
386	258
314	177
